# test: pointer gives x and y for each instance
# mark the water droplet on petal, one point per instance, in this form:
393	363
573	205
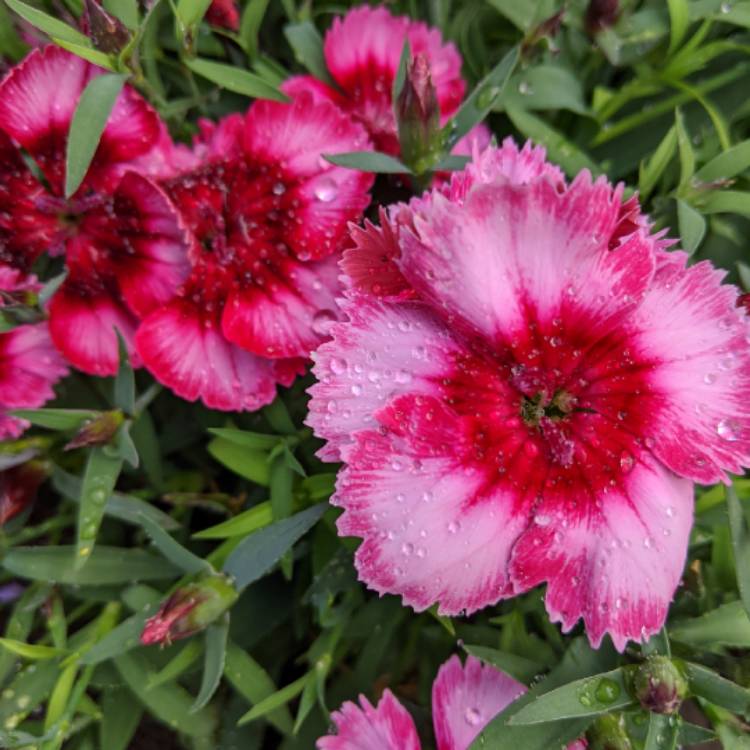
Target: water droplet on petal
472	716
626	462
729	430
322	322
326	190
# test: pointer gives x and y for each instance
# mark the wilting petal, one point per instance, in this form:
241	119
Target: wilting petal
25	231
387	726
186	350
434	530
464	699
288	316
37	101
82	323
381	352
689	327
612	554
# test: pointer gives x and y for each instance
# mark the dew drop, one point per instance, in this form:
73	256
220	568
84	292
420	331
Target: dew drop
472	716
326	190
337	365
278	188
626	462
322	322
709	378
356	389
728	430
453	527
607	691
407	548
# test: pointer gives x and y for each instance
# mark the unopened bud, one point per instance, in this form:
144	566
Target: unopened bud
608	733
659	685
18	487
97	431
743	301
224	13
190	609
600	15
418	113
106	31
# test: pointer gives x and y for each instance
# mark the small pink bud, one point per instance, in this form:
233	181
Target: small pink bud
660	686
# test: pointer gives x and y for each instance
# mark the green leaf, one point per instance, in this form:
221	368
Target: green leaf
124	445
368	161
49	25
727	202
400	77
687	155
168	703
252	682
125	10
257	554
741	544
307	45
718	690
727	625
252	18
213	665
121	715
559	149
235	79
259	441
727	164
278	699
89	54
190	12
121	639
29	687
545	87
124	390
692	734
524	670
99	479
185	658
247	463
242	524
481	100
657	644
107	565
590	696
56	419
30	650
692	226
11	45
123	507
679	20
178	555
89	120
651	170
451	163
663	732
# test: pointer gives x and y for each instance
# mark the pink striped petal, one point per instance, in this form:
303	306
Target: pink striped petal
387	726
465	699
611	554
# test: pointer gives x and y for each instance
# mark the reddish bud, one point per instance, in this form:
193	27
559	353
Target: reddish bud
106	31
225	14
18	488
600	15
660	686
189	610
97	431
547	29
743	301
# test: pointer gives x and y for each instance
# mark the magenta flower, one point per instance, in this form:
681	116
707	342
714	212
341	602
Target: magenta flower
525	389
464	700
124	247
268	217
29	364
362	51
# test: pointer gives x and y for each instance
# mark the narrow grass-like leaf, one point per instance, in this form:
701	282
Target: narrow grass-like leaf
307	45
657	644
107	565
692	226
727	164
48	24
178	555
727	202
235	79
168	703
741	544
89	120
692	734
89	54
58	698
121	639
524	670
590	696
368	161
247	463
480	101
191	12
251	681
716	689
34	684
56	419
99	479
400	77
256	440
679	20
687	154
652	169
30	650
727	625
242	524
257	554
121	715
252	18
213	664
278	699
663	732
185	658
124	389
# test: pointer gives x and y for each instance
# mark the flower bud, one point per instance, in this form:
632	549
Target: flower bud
418	113
608	733
106	31
190	609
659	685
97	431
743	301
18	487
601	14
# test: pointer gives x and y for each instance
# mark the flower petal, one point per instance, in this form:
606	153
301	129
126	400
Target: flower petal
388	726
433	530
185	350
612	555
464	699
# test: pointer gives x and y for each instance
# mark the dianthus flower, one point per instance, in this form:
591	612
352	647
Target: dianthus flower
268	216
525	389
124	247
29	364
362	51
464	700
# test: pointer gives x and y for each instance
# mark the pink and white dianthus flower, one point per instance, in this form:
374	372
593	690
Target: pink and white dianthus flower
362	51
525	390
268	217
124	246
464	700
29	364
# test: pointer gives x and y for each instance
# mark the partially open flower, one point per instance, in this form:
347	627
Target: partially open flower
660	686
